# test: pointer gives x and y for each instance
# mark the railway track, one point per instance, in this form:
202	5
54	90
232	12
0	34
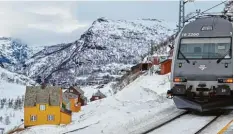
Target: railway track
170	120
207	121
200	130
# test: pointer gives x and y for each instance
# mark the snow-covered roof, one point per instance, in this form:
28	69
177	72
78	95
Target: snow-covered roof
37	94
78	89
99	93
70	95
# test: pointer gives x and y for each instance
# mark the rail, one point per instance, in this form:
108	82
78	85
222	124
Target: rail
164	123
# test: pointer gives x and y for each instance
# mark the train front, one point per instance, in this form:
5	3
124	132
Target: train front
202	68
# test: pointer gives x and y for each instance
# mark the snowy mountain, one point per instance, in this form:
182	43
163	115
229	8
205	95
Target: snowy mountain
101	52
35	49
13	53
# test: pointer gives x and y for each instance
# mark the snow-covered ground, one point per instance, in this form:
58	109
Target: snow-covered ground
139	105
10	116
12	87
11	90
90	90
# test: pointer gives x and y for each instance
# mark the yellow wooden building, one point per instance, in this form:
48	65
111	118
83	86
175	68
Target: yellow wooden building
45	105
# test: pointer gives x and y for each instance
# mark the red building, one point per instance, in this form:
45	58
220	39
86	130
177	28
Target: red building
97	96
158	58
166	66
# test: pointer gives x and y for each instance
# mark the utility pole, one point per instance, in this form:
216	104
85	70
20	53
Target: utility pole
151	47
182	13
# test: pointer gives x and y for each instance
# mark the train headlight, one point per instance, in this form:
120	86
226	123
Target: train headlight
180	65
180	79
225	80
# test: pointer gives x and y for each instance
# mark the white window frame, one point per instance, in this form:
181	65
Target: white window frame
50	117
42	107
33	118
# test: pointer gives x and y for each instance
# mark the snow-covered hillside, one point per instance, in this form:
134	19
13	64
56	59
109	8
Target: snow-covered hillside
141	104
11	77
12	90
13	53
103	50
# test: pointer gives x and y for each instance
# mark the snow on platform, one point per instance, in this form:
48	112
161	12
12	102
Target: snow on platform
219	124
227	129
136	107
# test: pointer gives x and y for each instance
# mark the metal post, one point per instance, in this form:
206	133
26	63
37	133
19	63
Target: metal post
183	14
180	16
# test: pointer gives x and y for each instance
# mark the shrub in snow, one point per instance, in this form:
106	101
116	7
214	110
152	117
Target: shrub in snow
17	103
1	118
2	104
10	103
7	120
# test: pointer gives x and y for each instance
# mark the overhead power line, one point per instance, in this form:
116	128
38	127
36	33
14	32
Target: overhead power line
205	11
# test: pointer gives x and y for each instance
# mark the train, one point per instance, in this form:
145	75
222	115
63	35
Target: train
202	65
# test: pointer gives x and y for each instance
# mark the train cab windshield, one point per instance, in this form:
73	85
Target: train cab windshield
205	48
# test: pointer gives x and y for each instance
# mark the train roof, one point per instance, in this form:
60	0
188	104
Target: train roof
208	27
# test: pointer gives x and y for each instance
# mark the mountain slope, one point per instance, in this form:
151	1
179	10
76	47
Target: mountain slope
15	78
13	53
102	51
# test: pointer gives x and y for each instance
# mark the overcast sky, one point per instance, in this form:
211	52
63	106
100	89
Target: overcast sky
48	23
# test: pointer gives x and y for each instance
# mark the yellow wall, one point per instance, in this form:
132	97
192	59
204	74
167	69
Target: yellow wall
41	115
65	118
73	106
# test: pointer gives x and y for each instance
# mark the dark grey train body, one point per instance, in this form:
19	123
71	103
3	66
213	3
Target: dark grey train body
195	70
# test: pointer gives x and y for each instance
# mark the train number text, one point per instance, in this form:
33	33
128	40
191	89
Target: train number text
190	34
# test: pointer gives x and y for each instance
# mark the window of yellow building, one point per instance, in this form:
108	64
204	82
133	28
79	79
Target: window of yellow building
42	107
50	117
33	118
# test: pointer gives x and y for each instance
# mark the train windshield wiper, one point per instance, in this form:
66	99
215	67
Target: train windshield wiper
184	57
223	57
